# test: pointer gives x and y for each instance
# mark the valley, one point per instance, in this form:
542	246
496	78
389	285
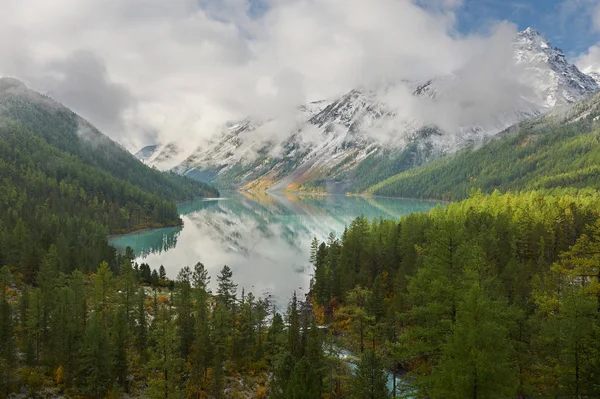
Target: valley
300	200
352	143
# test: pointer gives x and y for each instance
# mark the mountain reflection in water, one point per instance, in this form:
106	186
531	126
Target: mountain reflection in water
264	238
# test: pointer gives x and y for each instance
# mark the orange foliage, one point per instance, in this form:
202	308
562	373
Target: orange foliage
59	375
261	393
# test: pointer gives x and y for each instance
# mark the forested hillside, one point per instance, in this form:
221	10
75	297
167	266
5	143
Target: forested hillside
69	190
556	151
132	333
66	131
494	297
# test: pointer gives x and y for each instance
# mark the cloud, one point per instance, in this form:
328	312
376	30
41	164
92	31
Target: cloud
150	70
589	61
81	80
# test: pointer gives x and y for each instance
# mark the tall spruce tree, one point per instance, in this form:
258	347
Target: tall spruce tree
369	380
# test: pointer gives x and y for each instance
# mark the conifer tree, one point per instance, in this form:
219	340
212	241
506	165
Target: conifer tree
119	344
477	360
369	380
141	339
304	382
294	337
226	289
185	317
165	363
94	377
7	348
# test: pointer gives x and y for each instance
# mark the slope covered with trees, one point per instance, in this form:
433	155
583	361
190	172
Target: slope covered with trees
132	333
561	149
66	131
63	190
494	297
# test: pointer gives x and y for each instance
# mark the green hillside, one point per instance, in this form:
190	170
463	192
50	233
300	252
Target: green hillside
557	151
65	189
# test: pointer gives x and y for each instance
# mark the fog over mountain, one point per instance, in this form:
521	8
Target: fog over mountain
148	71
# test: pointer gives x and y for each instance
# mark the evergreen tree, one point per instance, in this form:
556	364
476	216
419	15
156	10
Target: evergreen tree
141	339
7	348
304	382
201	351
477	360
294	337
369	380
94	360
165	363
282	374
120	340
102	282
127	283
185	318
226	289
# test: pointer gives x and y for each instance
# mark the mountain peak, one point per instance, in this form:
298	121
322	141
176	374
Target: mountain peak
529	32
532	38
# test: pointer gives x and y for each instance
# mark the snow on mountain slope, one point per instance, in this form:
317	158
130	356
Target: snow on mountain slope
556	80
325	142
595	76
146	153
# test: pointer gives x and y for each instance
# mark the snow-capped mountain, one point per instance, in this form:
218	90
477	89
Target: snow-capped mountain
362	136
557	81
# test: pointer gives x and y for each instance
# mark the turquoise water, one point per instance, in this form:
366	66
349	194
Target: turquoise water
264	238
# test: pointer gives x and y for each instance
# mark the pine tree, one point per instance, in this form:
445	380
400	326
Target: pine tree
165	363
282	373
304	382
63	326
200	357
321	285
314	247
46	280
127	284
94	361
369	380
477	360
141	339
34	326
294	337
226	289
102	283
355	314
185	318
7	348
120	340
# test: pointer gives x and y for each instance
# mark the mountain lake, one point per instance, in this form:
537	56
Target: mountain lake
264	238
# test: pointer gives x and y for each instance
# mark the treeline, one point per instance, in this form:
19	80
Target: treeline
549	153
110	334
494	297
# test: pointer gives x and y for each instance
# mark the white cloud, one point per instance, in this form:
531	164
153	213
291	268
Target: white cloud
590	61
146	70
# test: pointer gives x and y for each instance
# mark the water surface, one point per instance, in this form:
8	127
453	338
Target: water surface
264	238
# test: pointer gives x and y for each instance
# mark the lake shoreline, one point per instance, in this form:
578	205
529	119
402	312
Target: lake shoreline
145	229
325	194
275	193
